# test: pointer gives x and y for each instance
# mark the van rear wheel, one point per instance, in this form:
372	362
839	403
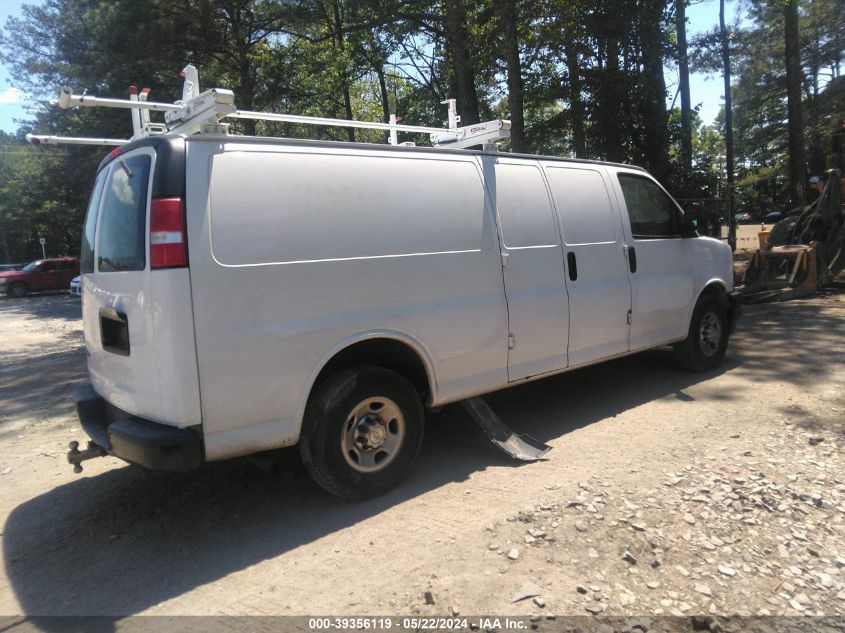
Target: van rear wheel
707	340
362	431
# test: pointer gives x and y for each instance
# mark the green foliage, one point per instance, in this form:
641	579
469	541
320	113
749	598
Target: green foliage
759	96
590	72
35	203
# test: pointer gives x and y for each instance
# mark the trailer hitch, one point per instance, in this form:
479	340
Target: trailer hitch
75	456
522	447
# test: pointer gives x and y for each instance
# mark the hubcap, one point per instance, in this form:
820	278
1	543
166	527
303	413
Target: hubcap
372	434
710	334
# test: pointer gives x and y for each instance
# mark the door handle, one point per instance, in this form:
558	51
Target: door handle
632	259
572	265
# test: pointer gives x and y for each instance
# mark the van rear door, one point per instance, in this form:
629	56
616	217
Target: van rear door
138	321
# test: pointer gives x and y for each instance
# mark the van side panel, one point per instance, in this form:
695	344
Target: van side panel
296	249
176	360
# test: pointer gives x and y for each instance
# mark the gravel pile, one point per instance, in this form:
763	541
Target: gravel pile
754	532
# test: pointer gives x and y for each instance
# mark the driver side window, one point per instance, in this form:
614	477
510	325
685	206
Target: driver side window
652	213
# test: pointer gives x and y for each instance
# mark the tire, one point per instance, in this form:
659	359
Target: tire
707	340
17	290
362	431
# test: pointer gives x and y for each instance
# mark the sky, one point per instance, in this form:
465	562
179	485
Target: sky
11	99
706	90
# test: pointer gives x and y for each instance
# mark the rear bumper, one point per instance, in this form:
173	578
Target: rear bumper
734	310
136	440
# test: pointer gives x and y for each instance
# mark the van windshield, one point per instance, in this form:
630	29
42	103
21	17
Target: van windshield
121	238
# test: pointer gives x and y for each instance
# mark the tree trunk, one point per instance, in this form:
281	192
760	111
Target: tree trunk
246	91
797	164
508	18
684	88
5	244
457	43
729	129
654	103
576	102
347	97
246	87
382	86
816	158
610	96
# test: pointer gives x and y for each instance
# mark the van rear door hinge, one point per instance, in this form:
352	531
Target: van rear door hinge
505	260
511	341
629	317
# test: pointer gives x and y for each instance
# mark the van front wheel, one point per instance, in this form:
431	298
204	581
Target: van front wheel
705	345
362	431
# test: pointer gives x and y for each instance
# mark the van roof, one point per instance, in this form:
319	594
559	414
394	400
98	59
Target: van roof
271	140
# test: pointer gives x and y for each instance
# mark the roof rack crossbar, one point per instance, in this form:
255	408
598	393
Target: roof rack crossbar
67	100
40	139
313	120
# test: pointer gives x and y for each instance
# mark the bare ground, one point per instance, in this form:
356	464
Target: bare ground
665	493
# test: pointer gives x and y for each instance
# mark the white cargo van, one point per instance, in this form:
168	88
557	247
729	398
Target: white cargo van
243	294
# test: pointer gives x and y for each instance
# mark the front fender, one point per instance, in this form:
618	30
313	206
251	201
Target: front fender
731	300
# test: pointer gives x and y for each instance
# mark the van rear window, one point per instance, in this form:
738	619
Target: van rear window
121	238
86	259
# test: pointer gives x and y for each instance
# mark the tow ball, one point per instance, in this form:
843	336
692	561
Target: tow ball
75	456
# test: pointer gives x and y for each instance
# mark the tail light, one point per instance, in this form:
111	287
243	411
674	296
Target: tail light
168	238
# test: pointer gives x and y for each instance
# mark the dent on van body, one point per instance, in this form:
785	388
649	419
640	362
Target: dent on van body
402	245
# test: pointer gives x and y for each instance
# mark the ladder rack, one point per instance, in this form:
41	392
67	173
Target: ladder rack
205	112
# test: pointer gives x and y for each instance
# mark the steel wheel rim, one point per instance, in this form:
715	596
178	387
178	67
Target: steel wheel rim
710	334
372	435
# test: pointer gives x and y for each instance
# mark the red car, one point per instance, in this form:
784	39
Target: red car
42	274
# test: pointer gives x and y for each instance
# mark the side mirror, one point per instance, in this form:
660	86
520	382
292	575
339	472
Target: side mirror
689	227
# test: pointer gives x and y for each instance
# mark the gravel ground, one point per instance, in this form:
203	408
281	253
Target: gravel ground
665	494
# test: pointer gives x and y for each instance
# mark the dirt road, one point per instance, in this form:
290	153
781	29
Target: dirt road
665	493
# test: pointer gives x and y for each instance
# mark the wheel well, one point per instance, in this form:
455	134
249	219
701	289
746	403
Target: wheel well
717	290
382	352
720	293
